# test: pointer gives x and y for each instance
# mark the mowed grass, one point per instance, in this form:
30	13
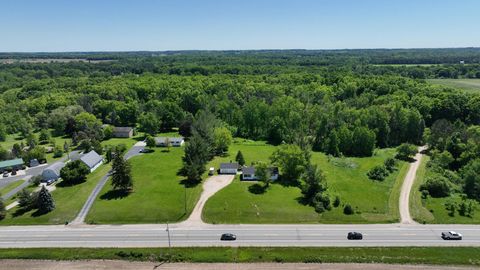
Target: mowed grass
158	194
467	256
471	85
10	187
432	210
68	201
373	201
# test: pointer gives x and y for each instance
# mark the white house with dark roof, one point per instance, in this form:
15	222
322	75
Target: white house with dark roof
52	172
229	168
248	173
174	141
92	160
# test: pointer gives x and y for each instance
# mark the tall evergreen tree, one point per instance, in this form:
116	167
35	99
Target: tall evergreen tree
121	174
195	158
45	202
239	158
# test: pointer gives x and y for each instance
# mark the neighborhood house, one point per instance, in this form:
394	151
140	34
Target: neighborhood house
228	168
52	172
14	164
248	173
122	132
92	160
173	141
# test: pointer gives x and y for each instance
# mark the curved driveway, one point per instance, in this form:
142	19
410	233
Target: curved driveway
404	200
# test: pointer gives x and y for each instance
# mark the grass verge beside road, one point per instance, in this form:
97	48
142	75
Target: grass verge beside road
158	194
433	210
373	201
68	202
10	187
391	255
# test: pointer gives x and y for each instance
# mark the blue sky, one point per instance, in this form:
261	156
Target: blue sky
120	25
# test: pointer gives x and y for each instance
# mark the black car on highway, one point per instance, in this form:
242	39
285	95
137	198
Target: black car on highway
451	235
354	236
228	237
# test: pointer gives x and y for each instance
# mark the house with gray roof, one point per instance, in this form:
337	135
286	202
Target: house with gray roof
248	174
229	168
52	172
92	160
122	132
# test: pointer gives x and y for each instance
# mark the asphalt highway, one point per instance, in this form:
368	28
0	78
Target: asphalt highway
247	235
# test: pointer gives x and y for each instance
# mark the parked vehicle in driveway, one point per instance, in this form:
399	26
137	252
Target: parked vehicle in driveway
228	237
5	174
211	171
354	236
451	235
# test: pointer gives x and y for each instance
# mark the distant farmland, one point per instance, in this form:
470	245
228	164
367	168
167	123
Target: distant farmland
466	84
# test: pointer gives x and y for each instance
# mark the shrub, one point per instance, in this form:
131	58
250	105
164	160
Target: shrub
336	202
348	210
406	151
390	164
437	187
378	173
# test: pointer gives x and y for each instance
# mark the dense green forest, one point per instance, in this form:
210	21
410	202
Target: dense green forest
345	102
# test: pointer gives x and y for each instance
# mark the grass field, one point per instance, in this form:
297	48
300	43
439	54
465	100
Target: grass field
158	194
280	204
401	255
432	210
471	85
68	201
10	187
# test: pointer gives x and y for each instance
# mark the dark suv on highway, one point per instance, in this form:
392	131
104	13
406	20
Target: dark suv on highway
354	236
228	237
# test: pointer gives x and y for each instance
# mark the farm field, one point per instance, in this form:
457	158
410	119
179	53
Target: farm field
432	210
68	201
158	194
280	204
471	85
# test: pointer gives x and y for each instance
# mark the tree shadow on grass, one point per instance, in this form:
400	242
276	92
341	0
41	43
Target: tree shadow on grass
20	211
39	213
189	184
69	184
114	195
257	189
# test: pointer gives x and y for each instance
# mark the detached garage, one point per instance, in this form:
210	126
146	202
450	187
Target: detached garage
52	172
228	168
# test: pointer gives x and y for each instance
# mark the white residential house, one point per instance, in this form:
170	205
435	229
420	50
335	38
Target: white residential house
174	141
248	174
229	168
92	160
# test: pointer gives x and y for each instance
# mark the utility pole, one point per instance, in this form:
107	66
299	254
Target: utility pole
168	233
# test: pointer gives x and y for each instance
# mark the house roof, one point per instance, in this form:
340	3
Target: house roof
11	162
248	170
91	159
251	170
122	129
231	165
56	167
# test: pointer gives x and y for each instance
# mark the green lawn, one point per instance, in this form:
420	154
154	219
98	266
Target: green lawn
129	142
158	195
390	255
10	187
68	202
471	85
374	201
432	210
